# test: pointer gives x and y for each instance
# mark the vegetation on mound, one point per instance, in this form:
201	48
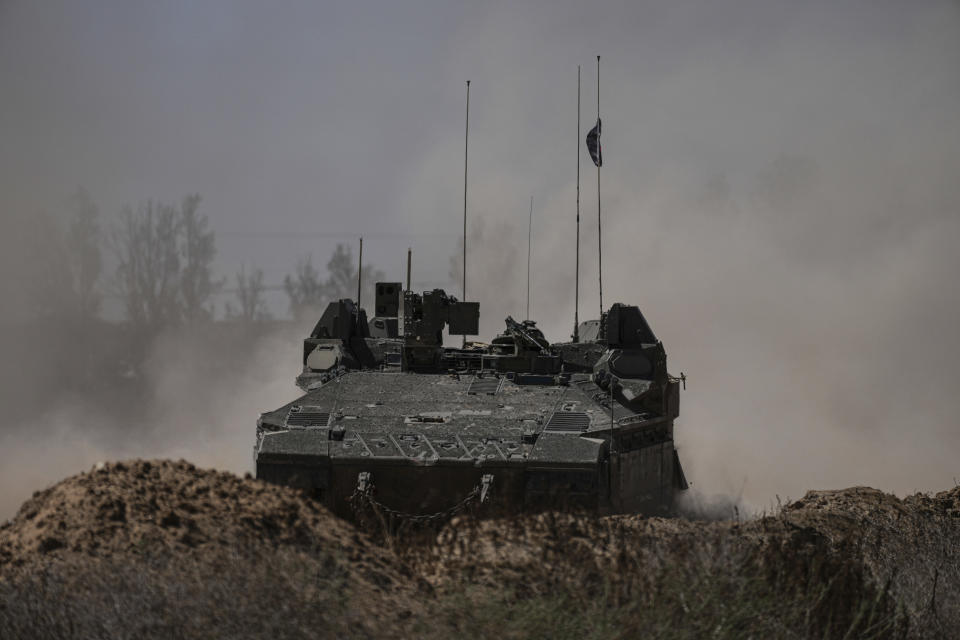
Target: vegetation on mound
686	582
244	593
288	593
204	554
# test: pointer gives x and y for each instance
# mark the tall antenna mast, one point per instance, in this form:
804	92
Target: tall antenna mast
360	274
529	236
466	147
576	286
599	236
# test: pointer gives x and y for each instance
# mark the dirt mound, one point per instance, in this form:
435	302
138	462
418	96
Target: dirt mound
119	547
122	546
910	545
845	552
125	506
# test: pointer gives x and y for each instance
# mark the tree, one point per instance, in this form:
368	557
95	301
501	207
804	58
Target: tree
342	275
164	256
252	306
62	261
308	294
148	264
198	250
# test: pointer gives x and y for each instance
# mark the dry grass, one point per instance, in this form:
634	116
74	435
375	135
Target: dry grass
284	593
253	593
560	576
261	562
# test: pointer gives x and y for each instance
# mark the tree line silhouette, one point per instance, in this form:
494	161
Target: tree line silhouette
93	304
161	259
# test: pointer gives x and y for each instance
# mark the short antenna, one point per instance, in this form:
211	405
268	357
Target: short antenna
409	252
360	273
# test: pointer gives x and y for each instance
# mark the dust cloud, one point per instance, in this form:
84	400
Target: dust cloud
789	224
780	197
197	397
814	315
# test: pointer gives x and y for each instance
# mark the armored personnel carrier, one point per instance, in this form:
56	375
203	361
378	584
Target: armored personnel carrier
394	421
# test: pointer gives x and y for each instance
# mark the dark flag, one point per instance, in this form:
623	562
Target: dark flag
593	145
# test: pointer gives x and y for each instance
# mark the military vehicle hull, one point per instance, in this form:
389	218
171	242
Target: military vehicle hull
398	424
428	440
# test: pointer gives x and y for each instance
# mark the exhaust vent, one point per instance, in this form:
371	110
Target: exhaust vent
568	422
301	416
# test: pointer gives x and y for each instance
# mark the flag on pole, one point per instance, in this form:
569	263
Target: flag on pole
593	145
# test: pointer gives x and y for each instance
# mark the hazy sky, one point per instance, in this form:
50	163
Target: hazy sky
781	192
299	118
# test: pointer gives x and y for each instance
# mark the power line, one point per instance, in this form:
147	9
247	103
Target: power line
427	285
344	235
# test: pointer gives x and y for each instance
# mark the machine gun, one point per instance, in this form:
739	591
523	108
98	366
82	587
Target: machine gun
528	334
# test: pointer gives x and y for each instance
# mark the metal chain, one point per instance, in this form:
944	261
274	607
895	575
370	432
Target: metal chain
363	495
682	378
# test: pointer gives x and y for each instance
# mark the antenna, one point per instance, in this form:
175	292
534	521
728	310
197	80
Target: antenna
466	147
576	286
409	252
529	236
599	237
360	274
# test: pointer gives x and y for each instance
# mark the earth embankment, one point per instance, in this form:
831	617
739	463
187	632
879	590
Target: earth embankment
161	549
